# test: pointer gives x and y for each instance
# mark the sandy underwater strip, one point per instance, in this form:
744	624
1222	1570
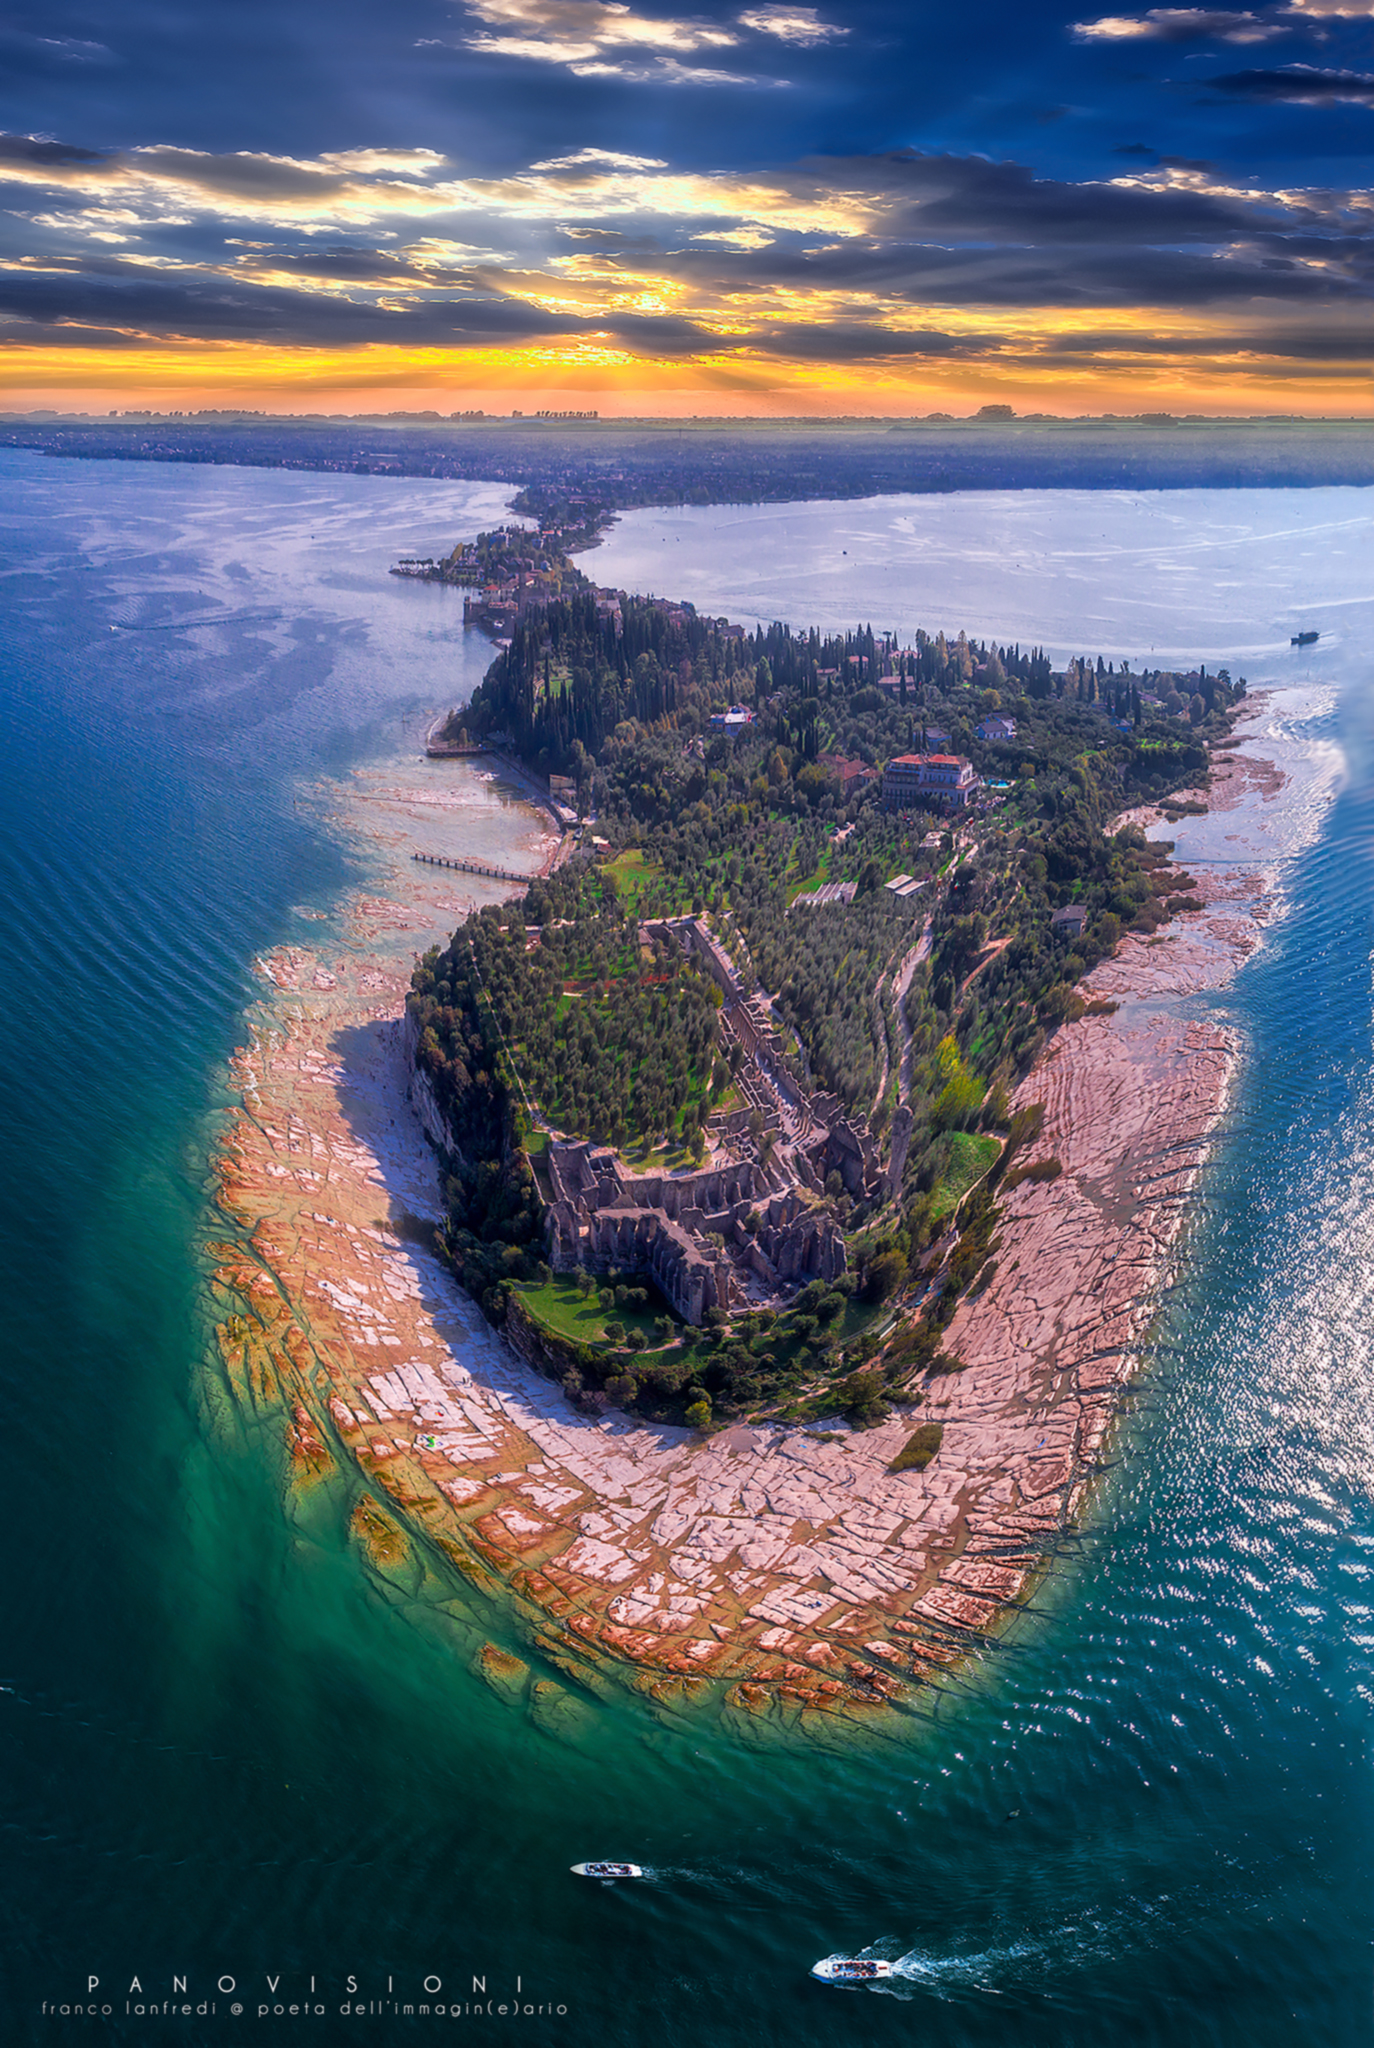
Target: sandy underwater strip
781	1568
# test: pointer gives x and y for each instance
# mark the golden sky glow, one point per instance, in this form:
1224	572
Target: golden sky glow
611	380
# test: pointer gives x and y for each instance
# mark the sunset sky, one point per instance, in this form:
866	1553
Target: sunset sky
764	209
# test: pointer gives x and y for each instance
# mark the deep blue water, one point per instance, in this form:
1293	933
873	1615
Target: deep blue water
1146	1818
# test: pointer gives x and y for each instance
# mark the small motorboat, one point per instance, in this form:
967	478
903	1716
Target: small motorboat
1304	639
607	1870
850	1970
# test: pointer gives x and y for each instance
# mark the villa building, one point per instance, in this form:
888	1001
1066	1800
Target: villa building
930	781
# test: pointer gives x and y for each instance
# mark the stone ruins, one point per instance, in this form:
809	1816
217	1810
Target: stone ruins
718	1238
743	1232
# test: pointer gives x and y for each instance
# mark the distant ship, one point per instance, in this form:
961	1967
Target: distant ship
850	1970
606	1870
1303	639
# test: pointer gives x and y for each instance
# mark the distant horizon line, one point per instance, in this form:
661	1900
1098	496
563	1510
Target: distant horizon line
984	416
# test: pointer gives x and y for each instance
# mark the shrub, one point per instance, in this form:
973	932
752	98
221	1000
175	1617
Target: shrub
1041	1169
862	1396
984	1278
958	1105
621	1389
912	1349
919	1448
884	1276
615	1331
1025	1126
699	1413
996	1108
1062	1004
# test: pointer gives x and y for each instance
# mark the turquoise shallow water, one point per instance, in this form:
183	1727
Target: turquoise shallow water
1147	1818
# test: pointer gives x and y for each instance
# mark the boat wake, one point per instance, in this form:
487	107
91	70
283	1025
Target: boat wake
1015	1966
240	618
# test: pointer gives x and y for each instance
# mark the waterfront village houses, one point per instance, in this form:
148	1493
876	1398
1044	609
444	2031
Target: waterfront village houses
944	780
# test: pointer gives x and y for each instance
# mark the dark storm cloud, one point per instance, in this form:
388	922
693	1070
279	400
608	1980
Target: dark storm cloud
973	199
1083	276
1298	84
1314	345
35	150
1181	25
945	231
849	342
153	309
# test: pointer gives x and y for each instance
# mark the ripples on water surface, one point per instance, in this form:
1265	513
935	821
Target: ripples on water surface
1145	1819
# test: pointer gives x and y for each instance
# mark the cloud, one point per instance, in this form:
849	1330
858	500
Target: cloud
1179	25
801	25
881	259
157	182
153	183
1345	10
120	303
1300	85
601	24
737	238
26	52
669	71
616	158
588	188
31	150
590	37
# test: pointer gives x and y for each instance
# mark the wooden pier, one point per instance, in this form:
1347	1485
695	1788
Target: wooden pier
471	867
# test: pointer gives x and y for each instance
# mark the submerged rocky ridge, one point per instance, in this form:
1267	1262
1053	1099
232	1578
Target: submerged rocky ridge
780	1564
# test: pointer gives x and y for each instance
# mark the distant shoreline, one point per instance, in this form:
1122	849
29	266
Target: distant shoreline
613	465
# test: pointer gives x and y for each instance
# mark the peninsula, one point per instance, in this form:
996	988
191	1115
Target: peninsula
815	1132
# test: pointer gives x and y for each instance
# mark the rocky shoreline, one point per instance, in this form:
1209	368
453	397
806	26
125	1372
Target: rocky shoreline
779	1570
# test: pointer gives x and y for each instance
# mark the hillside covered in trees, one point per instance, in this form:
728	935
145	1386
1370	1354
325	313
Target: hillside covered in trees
916	1013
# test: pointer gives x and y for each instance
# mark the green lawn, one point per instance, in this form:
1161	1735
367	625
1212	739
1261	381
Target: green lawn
970	1155
647	1158
805	885
561	1308
632	875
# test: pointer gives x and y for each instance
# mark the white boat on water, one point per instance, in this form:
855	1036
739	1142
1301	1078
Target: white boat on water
850	1970
607	1870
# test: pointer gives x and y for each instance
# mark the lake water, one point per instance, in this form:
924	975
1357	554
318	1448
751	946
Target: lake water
1226	577
1144	1819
